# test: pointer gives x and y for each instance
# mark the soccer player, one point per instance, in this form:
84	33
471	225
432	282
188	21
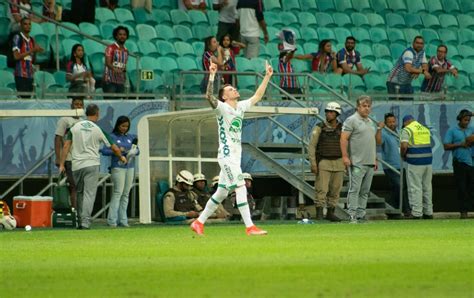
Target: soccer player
230	113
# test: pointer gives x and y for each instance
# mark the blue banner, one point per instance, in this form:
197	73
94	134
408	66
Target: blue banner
26	140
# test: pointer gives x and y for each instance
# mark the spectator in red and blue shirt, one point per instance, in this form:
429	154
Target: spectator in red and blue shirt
287	83
348	58
324	60
211	47
24	51
439	66
116	57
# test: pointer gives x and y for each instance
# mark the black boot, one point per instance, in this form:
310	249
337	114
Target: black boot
331	216
319	213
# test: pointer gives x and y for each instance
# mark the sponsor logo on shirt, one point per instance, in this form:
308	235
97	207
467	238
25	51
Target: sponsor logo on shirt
223	137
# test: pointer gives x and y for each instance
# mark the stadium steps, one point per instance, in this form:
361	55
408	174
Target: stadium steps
273	156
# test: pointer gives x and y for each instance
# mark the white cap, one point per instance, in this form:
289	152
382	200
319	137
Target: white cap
247	176
199	177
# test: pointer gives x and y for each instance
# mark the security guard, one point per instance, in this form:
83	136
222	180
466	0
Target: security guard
415	149
178	203
326	162
201	195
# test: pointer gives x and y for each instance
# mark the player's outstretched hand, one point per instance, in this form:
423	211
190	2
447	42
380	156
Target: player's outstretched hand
213	68
268	68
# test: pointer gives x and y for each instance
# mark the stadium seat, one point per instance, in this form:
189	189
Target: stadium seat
273	19
334	81
150	63
309	6
434	6
132	46
105	15
185	49
198	47
344	6
430	36
246	82
90	47
180	17
361	35
3	62
60	78
309	34
341	34
353	83
362	6
147	48
106	30
164	4
375	82
410	34
381	51
325	20
272	5
453	53
36	29
289	19
291	5
342	20
4	29
213	17
7	79
166	48
243	64
451	7
183	33
165	32
97	63
44	42
70	34
307	19
462	83
272	34
396	50
466	5
384	66
125	16
192	83
326	5
430	21
365	51
259	64
44	80
376	20
413	21
466	36
466	21
397	5
468	65
7	93
272	48
360	20
142	16
465	51
146	32
430	50
395	20
160	17
416	6
167	64
379	35
201	32
380	7
326	33
396	36
198	17
310	47
90	29
187	63
448	21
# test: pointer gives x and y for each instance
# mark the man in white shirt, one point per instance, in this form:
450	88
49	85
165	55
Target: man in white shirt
230	113
62	128
251	20
84	140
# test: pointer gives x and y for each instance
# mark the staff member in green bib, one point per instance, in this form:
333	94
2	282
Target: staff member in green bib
415	149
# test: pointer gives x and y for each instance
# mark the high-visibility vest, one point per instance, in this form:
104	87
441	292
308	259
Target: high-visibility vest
419	145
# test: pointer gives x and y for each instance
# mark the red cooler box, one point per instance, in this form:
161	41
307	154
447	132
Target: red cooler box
34	211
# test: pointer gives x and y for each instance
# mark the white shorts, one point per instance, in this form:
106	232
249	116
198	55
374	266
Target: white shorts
230	176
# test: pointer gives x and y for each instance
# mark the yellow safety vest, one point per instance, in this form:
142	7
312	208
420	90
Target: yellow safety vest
419	145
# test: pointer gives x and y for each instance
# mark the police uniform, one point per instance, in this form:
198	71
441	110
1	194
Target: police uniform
419	159
177	203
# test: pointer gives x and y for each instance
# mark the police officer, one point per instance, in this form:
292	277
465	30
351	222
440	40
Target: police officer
202	195
178	203
415	149
326	162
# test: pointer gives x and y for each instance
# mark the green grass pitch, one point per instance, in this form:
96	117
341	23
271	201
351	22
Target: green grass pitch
377	259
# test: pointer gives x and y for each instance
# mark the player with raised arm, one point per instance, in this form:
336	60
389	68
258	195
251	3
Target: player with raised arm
230	113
